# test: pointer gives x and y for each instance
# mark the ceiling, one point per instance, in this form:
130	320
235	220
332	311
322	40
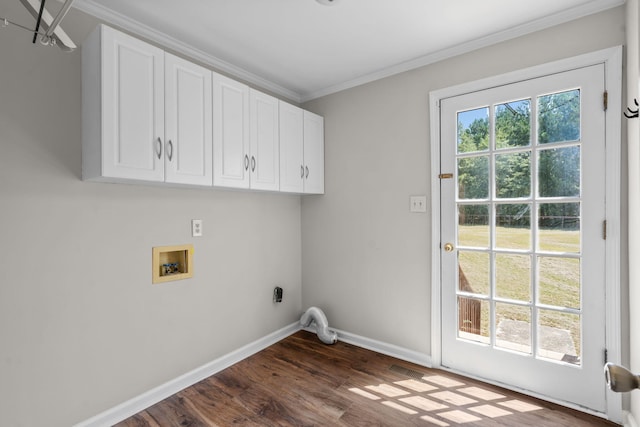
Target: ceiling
301	49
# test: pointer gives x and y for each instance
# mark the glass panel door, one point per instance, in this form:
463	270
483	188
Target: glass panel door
523	285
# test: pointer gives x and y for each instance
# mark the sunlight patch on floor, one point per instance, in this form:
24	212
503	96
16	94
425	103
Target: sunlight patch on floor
399	407
490	411
387	390
520	406
443	401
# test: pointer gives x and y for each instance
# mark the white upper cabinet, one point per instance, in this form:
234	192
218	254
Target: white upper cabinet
301	150
230	133
188	123
123	107
313	153
264	162
146	114
246	136
151	116
291	148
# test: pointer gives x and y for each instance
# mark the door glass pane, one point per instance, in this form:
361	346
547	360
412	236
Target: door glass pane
473	226
473	177
513	226
513	175
473	130
507	286
559	117
473	272
513	127
559	172
513	327
559	227
473	319
559	281
513	277
559	336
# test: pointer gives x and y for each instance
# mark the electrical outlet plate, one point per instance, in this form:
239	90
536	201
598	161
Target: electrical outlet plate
418	203
196	227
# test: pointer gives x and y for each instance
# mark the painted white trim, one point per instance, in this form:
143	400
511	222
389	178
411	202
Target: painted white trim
613	261
612	59
380	347
629	421
153	396
436	273
140	403
511	33
164	41
101	12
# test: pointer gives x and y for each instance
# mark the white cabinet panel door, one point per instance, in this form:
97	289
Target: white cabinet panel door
313	153
265	142
189	140
132	108
291	148
230	133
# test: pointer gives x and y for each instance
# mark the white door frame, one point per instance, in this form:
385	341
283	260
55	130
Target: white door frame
612	60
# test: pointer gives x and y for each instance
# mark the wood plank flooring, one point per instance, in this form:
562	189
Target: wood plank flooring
301	382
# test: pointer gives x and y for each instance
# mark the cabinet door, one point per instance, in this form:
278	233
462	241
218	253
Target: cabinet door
313	153
230	133
291	148
264	162
132	108
189	140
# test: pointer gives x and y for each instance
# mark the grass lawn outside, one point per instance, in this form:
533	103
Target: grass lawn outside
557	275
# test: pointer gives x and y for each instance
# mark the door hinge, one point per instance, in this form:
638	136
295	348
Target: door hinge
605	100
604	229
445	176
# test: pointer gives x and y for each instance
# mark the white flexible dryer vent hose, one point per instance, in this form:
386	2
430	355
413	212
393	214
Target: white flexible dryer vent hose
314	314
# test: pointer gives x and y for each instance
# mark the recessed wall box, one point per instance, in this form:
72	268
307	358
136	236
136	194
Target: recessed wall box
172	263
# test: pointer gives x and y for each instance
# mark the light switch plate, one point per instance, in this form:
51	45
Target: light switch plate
196	227
418	203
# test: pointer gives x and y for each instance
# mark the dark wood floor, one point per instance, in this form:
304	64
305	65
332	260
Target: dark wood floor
301	382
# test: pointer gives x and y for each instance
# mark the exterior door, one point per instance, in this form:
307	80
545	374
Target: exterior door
523	253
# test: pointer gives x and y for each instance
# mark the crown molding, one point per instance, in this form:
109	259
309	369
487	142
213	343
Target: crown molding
165	41
135	27
511	33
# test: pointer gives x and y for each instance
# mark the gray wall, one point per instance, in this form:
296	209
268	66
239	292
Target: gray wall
366	258
82	328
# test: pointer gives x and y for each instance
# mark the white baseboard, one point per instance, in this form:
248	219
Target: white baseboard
380	347
629	420
145	400
151	397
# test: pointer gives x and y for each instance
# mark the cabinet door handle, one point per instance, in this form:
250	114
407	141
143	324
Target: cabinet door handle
170	151
253	164
159	151
246	162
307	169
301	171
